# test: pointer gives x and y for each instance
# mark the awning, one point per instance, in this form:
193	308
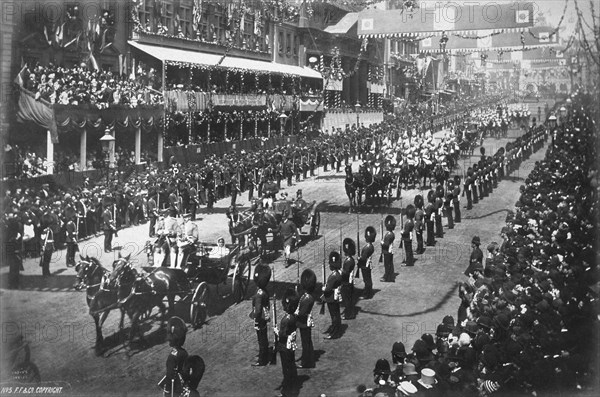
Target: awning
344	25
168	54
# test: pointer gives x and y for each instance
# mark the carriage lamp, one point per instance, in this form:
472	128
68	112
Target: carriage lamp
551	121
108	148
282	118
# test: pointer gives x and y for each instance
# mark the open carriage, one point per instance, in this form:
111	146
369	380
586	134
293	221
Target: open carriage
308	215
210	264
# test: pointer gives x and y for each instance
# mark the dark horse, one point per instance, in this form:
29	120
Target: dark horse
137	294
353	183
100	300
376	186
257	223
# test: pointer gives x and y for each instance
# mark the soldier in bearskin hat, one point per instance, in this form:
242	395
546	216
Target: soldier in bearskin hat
304	320
448	205
439	209
286	342
419	223
387	249
407	231
348	278
456	199
332	295
172	383
260	312
475	184
468	187
430	218
365	261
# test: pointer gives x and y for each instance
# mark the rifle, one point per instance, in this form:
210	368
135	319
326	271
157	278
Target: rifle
273	351
381	229
357	275
322	311
401	224
297	270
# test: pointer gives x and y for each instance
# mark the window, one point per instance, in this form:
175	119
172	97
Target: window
202	28
288	44
167	16
144	15
248	31
295	48
185	19
280	42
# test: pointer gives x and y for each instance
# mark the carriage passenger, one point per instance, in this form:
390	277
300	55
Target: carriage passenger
188	240
220	251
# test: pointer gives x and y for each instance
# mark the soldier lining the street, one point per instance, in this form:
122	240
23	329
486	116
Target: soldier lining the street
387	249
261	312
304	319
332	296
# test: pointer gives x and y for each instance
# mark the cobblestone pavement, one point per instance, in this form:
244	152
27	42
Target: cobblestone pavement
54	317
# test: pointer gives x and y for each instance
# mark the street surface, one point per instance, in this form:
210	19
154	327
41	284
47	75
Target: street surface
54	317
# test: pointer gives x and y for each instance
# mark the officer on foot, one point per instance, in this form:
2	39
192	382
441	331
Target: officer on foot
365	261
419	223
387	249
407	232
332	296
304	319
348	278
172	382
261	312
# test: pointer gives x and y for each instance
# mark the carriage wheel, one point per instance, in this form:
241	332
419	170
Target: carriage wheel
198	305
315	225
241	279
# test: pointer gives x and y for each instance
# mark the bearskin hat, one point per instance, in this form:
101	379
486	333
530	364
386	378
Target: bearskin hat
419	201
335	260
450	184
262	275
410	211
176	331
439	191
470	171
370	234
476	240
475	168
308	280
349	246
289	301
457	180
390	223
482	151
430	196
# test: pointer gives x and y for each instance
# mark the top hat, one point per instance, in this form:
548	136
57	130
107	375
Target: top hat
428	376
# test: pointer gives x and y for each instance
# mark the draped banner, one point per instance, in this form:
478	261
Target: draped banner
449	17
69	117
38	111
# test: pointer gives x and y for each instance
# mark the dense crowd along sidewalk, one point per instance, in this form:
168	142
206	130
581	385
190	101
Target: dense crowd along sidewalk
526	319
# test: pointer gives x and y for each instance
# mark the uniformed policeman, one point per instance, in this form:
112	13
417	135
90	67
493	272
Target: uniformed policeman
476	258
387	249
152	213
407	232
332	296
47	249
109	227
304	319
365	262
289	234
172	382
439	204
448	204
349	248
261	312
468	187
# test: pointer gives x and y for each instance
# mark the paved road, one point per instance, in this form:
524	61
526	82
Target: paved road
54	317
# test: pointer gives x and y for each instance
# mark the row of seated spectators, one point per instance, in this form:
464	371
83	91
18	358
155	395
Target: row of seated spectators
82	86
527	323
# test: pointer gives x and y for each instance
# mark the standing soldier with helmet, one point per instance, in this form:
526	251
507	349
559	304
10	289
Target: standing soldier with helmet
172	383
430	218
349	249
71	239
448	204
261	312
365	261
419	223
467	188
286	342
407	231
387	249
304	320
439	204
332	296
456	199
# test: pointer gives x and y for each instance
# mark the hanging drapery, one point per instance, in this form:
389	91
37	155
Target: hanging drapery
38	111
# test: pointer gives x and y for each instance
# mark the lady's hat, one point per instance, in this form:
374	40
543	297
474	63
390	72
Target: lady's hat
428	376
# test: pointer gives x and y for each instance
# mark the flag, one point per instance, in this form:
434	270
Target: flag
93	62
197	13
75	40
522	16
19	79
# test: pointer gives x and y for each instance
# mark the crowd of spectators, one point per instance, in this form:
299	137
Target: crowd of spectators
527	321
81	86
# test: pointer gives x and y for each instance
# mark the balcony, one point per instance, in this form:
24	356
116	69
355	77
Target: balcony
179	100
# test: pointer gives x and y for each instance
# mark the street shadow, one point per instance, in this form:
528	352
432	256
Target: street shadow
295	390
54	283
451	292
329	207
486	215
